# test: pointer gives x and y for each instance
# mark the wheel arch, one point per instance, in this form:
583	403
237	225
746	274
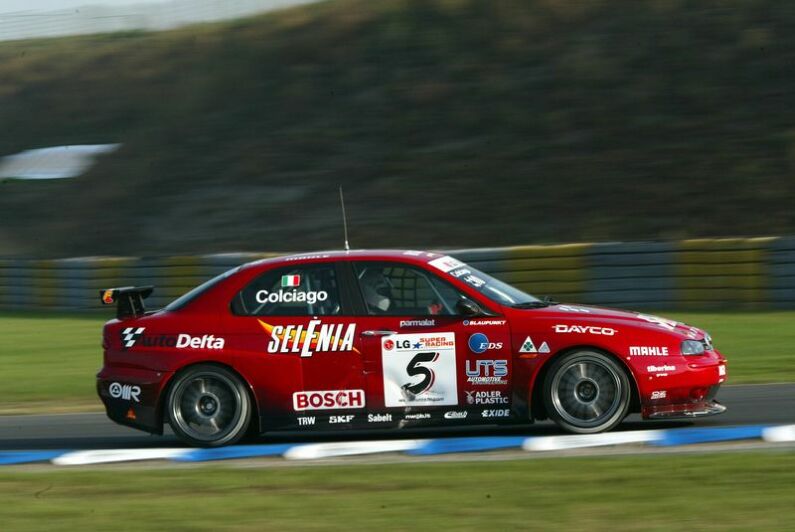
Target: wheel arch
161	405
537	408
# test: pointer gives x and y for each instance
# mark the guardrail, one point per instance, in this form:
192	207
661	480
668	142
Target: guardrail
735	273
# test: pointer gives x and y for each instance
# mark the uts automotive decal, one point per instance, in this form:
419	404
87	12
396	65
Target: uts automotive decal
317	337
419	369
328	400
487	372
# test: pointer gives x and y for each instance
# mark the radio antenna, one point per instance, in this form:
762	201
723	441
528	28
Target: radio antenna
344	220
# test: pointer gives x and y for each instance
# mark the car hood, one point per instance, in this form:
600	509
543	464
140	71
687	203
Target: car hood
616	317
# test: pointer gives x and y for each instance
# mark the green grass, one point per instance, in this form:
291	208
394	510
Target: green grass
449	122
48	363
728	491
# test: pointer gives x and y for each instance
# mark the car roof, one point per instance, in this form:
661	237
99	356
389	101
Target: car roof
403	255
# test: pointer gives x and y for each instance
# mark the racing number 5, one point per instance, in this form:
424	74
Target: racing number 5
416	367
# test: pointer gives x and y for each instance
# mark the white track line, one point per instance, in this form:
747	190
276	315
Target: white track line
116	455
557	443
783	433
327	450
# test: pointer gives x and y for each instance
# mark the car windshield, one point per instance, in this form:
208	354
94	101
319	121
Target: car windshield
184	299
492	288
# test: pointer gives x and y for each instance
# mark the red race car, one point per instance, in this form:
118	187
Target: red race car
389	339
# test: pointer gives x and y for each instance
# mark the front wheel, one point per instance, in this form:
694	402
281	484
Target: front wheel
208	406
586	392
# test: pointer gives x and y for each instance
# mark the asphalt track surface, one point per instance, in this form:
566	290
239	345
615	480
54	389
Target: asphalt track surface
765	404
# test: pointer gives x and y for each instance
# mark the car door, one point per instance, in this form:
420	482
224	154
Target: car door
425	362
300	347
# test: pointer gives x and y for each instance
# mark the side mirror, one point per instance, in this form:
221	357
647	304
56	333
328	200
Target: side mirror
468	308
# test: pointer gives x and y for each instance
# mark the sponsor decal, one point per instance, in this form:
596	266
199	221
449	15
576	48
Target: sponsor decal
660	394
379	418
126	392
107	297
669	325
418	323
543	348
487	372
306	421
414	417
528	346
486	398
446	263
208	341
584	329
479	343
657	369
501	412
316	337
466	275
132	336
721	371
289	281
290	296
456	415
419	369
569	308
647	351
482	323
333	420
328	400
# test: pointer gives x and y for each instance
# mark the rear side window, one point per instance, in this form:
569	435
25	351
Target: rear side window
310	290
396	289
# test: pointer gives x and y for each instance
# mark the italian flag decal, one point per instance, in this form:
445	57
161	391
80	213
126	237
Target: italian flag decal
291	280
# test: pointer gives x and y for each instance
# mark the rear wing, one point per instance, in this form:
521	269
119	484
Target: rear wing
129	300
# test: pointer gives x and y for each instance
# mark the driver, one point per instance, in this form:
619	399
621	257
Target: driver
376	290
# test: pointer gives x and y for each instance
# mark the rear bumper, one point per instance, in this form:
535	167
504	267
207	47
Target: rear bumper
132	396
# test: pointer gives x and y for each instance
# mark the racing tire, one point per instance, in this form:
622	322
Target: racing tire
208	406
586	392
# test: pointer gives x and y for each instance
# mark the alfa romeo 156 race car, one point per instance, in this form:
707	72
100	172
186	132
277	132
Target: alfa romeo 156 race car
389	339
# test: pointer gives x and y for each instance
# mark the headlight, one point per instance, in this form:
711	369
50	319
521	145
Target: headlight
692	347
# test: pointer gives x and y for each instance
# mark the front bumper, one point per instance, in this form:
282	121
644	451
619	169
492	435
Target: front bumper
683	391
132	396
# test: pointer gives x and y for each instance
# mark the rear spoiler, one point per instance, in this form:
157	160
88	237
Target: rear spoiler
129	300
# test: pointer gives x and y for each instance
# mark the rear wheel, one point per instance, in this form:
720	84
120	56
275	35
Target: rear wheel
208	406
586	392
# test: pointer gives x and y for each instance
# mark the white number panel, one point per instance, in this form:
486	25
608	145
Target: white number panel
419	369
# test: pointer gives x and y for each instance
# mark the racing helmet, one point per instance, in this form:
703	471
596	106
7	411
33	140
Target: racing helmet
375	289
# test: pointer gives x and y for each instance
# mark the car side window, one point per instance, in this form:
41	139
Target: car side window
396	289
308	290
